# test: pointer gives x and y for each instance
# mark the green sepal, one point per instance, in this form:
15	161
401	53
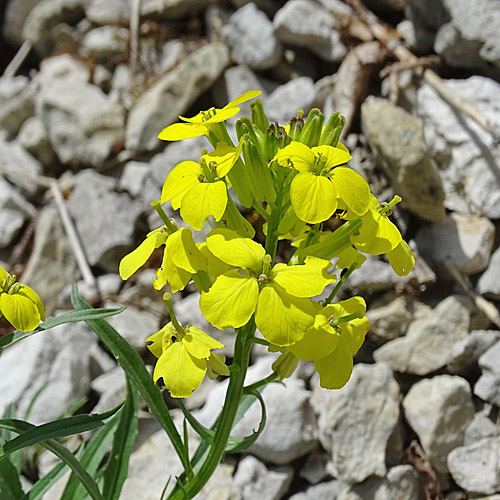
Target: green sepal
232	219
296	126
240	181
331	132
311	133
259	117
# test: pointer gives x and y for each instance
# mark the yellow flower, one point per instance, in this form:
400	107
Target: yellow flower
21	306
184	357
204	120
277	296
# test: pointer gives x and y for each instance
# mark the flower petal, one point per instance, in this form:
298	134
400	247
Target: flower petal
198	343
334	156
235	250
313	197
401	259
3	274
348	257
297	155
202	200
336	368
231	300
316	344
182	250
35	298
182	178
250	94
181	372
282	318
215	266
180	131
352	188
20	311
161	340
304	280
177	278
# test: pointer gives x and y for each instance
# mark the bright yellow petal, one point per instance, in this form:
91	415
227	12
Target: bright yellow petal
336	368
168	272
304	280
250	94
20	311
316	344
182	250
282	318
219	116
3	275
401	259
352	188
348	257
215	266
181	372
216	365
180	131
297	155
313	197
35	298
202	200
160	340
334	156
231	300
182	178
199	344
235	250
138	257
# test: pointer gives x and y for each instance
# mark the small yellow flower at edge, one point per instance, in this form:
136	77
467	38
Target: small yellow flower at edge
21	306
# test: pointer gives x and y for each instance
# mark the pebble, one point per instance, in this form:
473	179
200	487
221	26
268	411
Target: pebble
105	42
17	103
103	12
33	137
488	283
488	385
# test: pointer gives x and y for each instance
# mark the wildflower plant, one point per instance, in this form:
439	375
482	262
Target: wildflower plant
280	281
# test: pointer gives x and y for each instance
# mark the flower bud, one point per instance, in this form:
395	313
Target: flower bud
296	126
311	133
285	365
331	133
259	118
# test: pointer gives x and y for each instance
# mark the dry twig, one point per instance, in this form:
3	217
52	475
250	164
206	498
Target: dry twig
18	59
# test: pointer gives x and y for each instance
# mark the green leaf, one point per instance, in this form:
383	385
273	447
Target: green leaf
71	317
56	429
60	451
10	486
92	457
123	442
127	357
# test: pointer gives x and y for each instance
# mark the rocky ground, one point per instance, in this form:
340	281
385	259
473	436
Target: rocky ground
419	418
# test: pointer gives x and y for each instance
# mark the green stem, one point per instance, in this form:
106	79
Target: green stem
256	385
157	206
260	209
345	319
340	282
256	340
168	301
234	392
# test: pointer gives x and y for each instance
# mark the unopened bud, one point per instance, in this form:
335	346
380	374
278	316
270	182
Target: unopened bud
313	127
259	118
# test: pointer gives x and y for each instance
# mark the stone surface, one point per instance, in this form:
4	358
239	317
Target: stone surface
483	426
488	283
257	482
467	160
439	410
138	180
83	124
466	353
172	9
105	42
52	264
111	388
488	385
373	488
172	95
17	103
16	12
249	35
323	491
307	24
56	362
402	153
347	416
61	67
287	99
465	239
102	12
476	467
428	343
34	138
105	220
403	483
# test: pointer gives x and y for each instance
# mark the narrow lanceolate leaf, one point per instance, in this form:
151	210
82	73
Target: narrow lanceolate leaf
71	317
58	428
10	486
126	432
60	451
132	364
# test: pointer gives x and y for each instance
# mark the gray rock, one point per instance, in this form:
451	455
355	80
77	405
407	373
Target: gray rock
307	24
172	52
46	14
465	239
111	388
402	153
172	95
476	467
14	210
466	353
16	12
287	99
403	483
82	122
482	426
105	220
103	12
105	42
439	410
52	264
34	138
138	180
373	488
55	364
249	34
62	67
348	416
323	491
488	283
488	385
172	9
428	343
257	482
314	468
21	168
465	154
17	103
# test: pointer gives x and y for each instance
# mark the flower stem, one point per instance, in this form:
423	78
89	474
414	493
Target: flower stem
340	282
157	206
